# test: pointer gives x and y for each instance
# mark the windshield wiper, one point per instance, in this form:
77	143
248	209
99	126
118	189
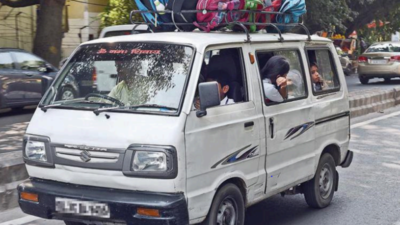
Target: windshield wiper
45	107
152	106
99	110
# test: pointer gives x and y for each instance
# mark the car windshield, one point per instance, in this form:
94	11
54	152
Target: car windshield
124	76
387	47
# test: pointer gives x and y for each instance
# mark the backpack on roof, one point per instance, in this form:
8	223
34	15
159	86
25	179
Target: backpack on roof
157	19
177	6
293	10
214	19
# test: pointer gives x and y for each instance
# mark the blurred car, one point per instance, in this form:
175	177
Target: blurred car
345	61
120	30
24	78
380	60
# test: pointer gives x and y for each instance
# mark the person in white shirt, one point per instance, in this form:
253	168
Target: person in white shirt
223	86
274	75
130	89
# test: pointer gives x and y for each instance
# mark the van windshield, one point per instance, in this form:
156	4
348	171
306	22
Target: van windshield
124	76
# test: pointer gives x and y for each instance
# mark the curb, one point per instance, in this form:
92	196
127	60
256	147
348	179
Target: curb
373	101
13	171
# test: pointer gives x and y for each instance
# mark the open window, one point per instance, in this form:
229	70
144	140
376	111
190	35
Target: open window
323	71
225	66
296	83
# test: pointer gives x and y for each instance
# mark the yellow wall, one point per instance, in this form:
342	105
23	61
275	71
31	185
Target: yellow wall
75	10
17	34
96	8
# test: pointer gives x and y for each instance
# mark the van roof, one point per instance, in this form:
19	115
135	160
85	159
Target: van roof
202	39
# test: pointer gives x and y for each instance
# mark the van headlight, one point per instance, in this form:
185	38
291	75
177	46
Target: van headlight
36	151
150	162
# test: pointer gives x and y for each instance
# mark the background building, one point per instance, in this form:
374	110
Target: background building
81	22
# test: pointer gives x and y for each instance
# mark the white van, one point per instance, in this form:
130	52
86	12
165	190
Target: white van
144	154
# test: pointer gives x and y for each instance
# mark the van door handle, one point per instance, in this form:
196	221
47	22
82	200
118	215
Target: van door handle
249	124
271	127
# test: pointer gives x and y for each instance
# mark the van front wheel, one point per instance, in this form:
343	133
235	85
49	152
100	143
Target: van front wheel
318	192
227	207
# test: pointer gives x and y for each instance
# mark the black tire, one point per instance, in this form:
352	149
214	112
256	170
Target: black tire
326	177
67	92
364	80
73	223
230	197
387	80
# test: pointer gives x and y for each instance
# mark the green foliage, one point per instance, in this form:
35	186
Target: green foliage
345	16
326	15
117	13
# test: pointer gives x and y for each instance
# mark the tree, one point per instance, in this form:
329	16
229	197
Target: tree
48	37
345	16
117	13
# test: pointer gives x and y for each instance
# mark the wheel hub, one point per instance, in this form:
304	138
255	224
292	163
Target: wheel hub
325	182
227	213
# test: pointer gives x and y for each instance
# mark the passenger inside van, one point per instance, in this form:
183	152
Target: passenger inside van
318	83
274	75
127	90
295	84
223	85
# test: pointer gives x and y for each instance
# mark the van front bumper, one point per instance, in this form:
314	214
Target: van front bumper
122	204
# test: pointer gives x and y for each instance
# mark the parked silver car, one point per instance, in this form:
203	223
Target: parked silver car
24	78
380	60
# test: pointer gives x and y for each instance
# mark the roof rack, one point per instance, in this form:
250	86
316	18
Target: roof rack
275	26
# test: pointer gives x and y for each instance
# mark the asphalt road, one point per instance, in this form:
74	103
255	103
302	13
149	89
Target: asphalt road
353	84
368	189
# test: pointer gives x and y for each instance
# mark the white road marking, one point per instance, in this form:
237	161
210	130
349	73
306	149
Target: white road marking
372	120
20	221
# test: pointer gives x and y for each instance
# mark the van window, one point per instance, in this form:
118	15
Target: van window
225	66
323	72
296	82
126	76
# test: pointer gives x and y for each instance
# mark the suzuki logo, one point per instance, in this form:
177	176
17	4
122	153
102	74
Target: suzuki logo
85	156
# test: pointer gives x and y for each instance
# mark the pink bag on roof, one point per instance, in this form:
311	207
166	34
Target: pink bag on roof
213	19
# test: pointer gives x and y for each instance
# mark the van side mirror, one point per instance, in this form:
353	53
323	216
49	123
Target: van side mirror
209	97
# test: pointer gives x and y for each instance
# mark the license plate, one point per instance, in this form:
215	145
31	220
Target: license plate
378	61
82	208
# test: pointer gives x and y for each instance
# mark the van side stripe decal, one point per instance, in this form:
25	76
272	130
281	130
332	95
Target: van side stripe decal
304	127
233	158
331	118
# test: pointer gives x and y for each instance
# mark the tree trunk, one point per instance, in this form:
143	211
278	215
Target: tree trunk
49	33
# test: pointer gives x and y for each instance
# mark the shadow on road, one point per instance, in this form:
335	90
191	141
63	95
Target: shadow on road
12	128
279	211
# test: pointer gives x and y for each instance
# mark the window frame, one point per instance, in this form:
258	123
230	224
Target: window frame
301	60
242	66
331	59
13	63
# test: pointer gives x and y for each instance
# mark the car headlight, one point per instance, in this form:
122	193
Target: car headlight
36	150
151	161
